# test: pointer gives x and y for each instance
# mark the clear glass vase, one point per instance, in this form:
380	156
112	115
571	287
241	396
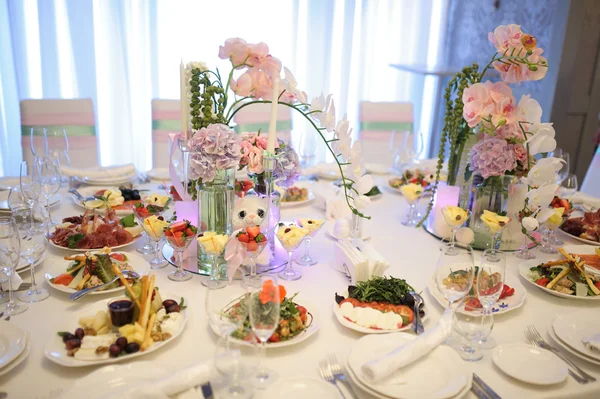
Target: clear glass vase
260	190
215	212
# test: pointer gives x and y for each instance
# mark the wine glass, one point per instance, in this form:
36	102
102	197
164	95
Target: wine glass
180	235
227	309
569	186
290	235
313	226
413	145
454	273
308	149
411	192
57	143
565	166
468	326
236	361
212	244
51	180
10	248
37	142
30	186
33	246
397	148
253	242
153	224
264	305
490	283
455	218
548	238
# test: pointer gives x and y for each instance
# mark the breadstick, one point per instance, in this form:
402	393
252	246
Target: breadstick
554	263
82	282
126	284
147	338
146	310
144	290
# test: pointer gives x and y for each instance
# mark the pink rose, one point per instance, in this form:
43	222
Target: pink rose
261	141
520	153
255	160
243	85
234	49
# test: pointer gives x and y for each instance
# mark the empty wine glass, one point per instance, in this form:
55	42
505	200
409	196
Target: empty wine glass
454	273
30	186
490	283
180	235
227	308
565	166
37	142
397	148
33	246
57	144
51	180
264	305
468	326
313	226
308	149
569	186
290	235
413	144
236	361
212	244
10	248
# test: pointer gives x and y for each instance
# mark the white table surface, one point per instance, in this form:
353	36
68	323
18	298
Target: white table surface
413	254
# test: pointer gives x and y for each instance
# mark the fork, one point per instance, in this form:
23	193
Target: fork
327	375
536	339
417	323
338	374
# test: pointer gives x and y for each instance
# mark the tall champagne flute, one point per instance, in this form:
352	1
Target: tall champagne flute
10	248
454	273
490	283
38	143
30	187
58	145
33	246
51	180
264	311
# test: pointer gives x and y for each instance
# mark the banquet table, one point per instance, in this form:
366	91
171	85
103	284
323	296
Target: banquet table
412	253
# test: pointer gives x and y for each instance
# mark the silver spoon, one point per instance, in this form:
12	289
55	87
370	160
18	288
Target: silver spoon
80	294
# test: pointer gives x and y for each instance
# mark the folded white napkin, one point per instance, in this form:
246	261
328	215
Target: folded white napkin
179	384
378	369
360	259
592	342
377	263
16	281
99	172
581	198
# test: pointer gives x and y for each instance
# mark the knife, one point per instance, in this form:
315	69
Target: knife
487	389
478	391
207	391
417	324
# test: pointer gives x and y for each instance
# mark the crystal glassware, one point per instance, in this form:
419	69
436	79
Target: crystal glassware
51	180
454	273
548	238
569	186
180	235
490	283
290	235
212	244
227	308
253	242
411	192
31	187
33	245
38	144
264	305
236	361
524	252
455	218
10	248
313	226
468	326
153	225
57	142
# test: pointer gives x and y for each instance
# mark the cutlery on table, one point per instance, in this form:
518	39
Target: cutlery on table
207	391
417	324
536	339
337	373
81	197
488	392
327	375
80	294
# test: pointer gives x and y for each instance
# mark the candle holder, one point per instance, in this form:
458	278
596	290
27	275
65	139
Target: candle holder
272	210
183	143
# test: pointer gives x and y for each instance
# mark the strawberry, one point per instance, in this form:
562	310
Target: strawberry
178	234
252	246
168	233
189	232
243	237
261	238
564	204
253	231
179	226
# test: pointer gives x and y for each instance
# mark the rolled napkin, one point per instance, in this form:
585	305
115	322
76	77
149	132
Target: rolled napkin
100	172
404	355
16	281
175	385
592	342
580	198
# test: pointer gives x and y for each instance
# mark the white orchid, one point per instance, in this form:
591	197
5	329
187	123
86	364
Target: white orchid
357	164
530	223
291	86
328	115
318	104
542	196
343	134
544	171
361	202
542	139
529	110
363	184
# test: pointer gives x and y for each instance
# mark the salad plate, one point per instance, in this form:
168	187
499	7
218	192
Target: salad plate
573	328
530	364
20	358
566	347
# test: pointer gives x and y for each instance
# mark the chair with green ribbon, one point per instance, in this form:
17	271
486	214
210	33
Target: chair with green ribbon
166	118
74	116
257	116
377	122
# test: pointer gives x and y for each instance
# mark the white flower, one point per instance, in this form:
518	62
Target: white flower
529	110
196	64
357	166
542	139
344	136
328	115
291	86
530	223
317	104
542	196
361	202
364	184
544	214
544	171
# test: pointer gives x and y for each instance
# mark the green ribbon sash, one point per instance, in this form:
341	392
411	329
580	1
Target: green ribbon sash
173	125
386	126
264	127
72	130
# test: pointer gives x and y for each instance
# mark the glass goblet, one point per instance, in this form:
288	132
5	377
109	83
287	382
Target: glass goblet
547	238
51	180
490	283
468	327
454	273
253	249
30	186
179	243
143	211
411	192
236	361
154	226
313	226
33	246
227	308
455	218
10	248
212	244
290	236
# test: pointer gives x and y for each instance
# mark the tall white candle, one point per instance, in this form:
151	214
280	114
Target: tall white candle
185	112
273	121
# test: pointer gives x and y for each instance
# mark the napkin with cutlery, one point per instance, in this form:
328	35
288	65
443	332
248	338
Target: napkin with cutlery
361	259
180	384
100	172
592	342
404	355
16	282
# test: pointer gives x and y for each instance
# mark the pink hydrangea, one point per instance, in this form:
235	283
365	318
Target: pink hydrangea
511	133
492	157
215	147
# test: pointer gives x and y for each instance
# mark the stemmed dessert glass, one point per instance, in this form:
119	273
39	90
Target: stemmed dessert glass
524	252
290	243
30	188
153	225
253	249
212	244
313	226
33	246
490	283
51	180
10	248
264	306
179	244
455	220
411	217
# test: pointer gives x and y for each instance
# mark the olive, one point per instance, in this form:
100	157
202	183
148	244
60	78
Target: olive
80	333
121	342
167	303
132	347
67	337
161	218
114	350
73	343
173	309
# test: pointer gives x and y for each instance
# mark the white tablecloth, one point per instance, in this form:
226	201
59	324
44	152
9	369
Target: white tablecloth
413	254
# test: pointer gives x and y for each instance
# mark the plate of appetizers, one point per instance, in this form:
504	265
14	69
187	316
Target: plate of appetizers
416	176
76	272
566	277
120	199
588	254
512	297
585	229
296	196
93	231
117	329
379	305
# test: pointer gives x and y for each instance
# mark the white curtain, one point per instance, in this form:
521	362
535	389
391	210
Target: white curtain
123	53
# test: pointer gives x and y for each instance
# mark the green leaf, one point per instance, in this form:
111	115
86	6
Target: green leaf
128	221
74	239
468	172
62	333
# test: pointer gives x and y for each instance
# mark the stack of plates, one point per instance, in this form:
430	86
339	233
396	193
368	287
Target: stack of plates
439	375
111	180
14	346
569	330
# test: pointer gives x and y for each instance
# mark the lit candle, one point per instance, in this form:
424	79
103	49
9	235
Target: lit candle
273	122
185	112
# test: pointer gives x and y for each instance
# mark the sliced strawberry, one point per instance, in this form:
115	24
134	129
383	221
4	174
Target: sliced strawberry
179	226
189	232
253	231
178	234
252	246
118	256
243	237
168	233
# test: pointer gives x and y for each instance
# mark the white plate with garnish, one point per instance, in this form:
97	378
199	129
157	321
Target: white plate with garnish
292	204
530	364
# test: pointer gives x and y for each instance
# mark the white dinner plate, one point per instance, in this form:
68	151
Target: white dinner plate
59	266
329	231
530	364
504	305
24	266
135	239
441	374
566	347
107	181
55	200
571	328
13	341
55	349
88	191
107	379
159	174
596	243
524	272
293	204
302	388
19	359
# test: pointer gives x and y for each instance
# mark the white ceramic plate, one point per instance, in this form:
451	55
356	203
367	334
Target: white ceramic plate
504	305
88	191
24	266
159	174
59	266
13	341
293	204
19	359
353	326
107	379
441	374
573	327
135	239
55	349
329	231
524	272
568	348
530	364
596	243
55	200
302	388
108	181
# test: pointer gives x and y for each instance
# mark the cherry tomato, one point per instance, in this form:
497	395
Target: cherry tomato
118	256
543	281
472	304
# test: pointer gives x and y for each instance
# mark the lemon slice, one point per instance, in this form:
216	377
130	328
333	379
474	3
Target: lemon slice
97	203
